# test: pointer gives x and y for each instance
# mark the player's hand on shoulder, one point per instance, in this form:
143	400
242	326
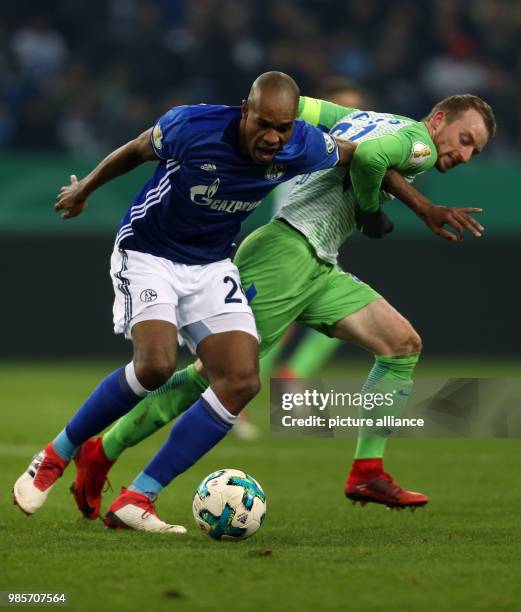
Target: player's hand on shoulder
70	199
459	219
346	149
373	224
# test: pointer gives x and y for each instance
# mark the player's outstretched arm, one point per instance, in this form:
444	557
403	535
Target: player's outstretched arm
434	217
72	199
373	163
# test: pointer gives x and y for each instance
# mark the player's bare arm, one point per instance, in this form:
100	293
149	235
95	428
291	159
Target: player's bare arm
346	150
72	199
371	161
435	217
377	224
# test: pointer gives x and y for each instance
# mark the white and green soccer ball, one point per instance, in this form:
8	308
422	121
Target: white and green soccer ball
229	505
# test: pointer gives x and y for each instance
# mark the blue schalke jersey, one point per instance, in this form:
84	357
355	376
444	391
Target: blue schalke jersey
191	210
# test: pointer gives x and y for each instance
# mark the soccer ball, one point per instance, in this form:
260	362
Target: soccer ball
229	505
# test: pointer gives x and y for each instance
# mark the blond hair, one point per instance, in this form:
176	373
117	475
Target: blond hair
453	106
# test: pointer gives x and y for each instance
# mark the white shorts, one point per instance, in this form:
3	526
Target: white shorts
199	300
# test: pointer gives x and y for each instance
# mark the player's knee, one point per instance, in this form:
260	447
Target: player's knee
407	342
244	385
154	371
416	342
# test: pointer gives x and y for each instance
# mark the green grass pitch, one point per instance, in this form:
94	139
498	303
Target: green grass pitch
315	550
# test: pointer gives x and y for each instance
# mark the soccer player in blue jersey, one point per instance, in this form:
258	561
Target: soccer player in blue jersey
173	277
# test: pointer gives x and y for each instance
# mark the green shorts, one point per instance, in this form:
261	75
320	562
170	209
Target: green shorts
292	284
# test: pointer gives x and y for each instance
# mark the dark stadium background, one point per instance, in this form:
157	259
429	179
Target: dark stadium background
78	79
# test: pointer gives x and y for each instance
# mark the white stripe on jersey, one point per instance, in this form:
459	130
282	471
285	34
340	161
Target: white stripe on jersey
152	192
152	197
140	211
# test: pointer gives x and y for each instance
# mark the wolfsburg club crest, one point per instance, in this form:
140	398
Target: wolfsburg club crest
275	172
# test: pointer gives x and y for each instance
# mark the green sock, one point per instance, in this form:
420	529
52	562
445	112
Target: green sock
154	411
314	350
389	375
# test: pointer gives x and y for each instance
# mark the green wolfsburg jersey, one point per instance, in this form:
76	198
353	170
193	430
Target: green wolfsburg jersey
322	204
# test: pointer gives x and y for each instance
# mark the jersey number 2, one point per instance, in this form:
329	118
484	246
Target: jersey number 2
229	299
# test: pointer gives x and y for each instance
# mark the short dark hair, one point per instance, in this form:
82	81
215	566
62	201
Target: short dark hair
277	81
453	106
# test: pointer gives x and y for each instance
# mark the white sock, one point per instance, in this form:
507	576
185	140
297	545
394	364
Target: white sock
220	410
133	382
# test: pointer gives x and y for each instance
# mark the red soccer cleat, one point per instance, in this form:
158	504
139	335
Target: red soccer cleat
31	489
92	467
367	482
133	510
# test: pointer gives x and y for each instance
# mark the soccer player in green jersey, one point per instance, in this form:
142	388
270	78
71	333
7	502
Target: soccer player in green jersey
292	262
314	349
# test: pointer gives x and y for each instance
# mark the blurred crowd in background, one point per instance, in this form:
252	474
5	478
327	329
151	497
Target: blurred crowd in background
85	77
